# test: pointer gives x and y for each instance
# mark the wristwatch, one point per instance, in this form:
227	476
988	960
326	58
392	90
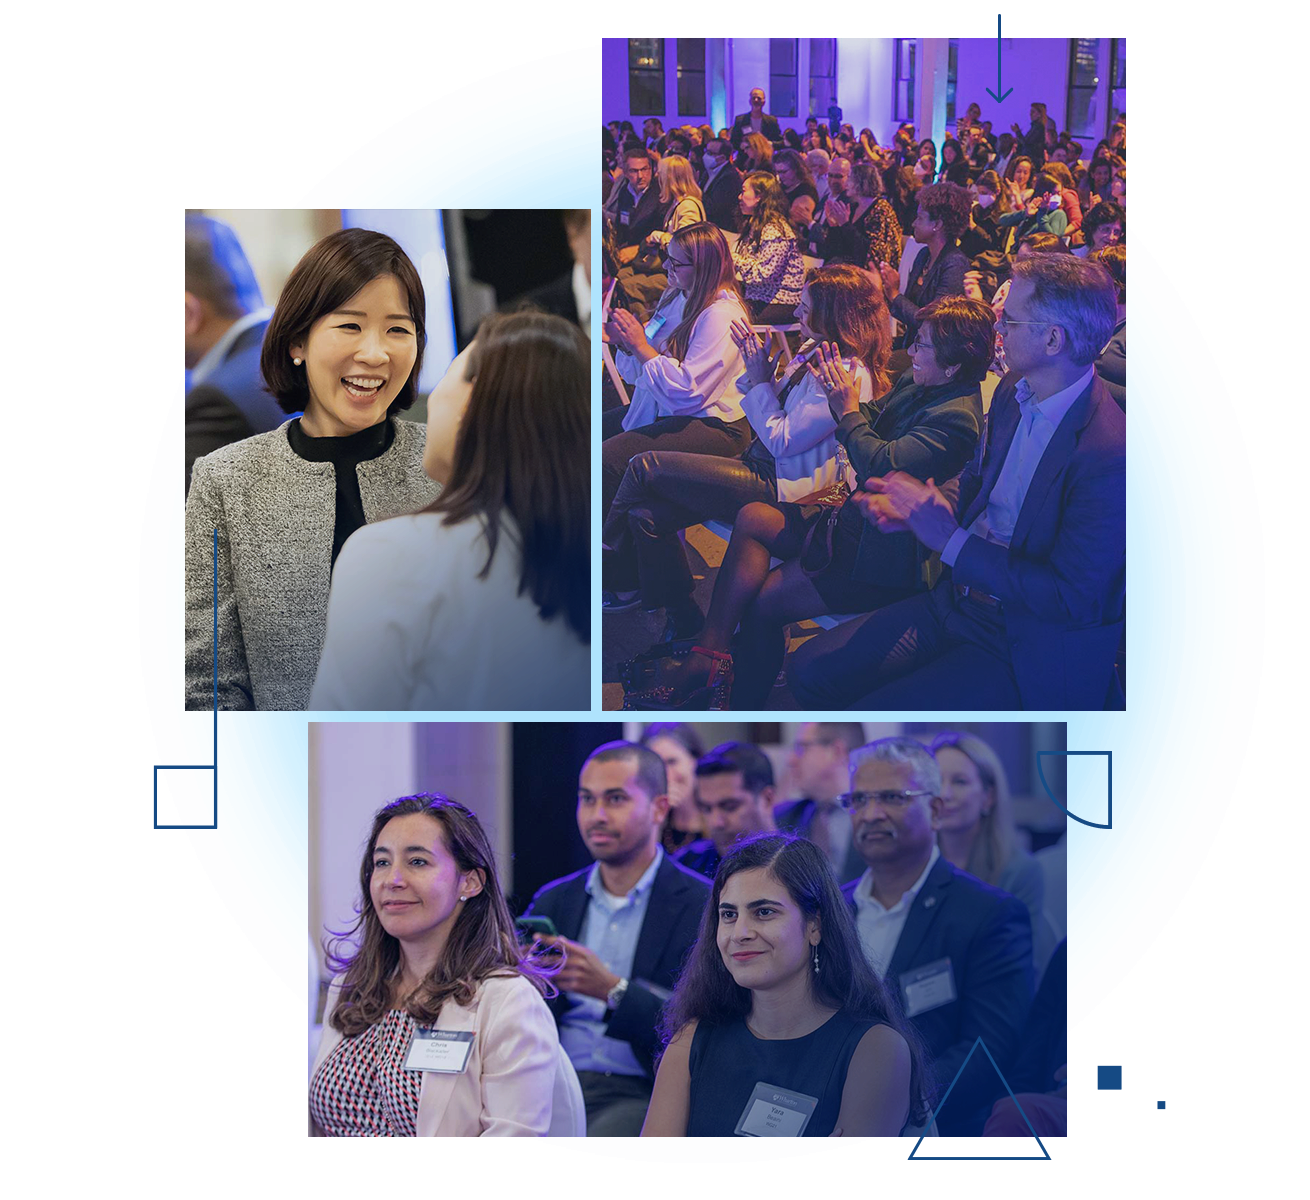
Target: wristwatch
615	995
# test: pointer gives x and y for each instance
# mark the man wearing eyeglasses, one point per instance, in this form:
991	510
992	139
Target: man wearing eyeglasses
958	953
1031	614
819	771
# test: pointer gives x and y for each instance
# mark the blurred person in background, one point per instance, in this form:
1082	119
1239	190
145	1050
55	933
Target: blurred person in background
679	746
569	296
734	794
820	771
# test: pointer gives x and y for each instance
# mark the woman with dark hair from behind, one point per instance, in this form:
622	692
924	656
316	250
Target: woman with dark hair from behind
680	747
480	600
777	991
434	948
343	350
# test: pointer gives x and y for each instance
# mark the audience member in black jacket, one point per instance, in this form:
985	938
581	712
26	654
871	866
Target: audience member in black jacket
939	268
722	186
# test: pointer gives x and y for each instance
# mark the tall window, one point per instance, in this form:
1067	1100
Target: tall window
903	100
1118	81
782	76
823	76
646	77
1082	119
691	77
952	72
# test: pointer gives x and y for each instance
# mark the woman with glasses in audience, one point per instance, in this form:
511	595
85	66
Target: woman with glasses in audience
684	364
977	831
768	255
680	748
480	601
343	350
777	992
867	234
794	456
433	953
834	558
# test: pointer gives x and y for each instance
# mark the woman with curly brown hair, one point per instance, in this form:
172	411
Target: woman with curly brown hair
436	1022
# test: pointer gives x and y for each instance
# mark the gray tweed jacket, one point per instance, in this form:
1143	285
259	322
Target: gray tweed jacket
274	513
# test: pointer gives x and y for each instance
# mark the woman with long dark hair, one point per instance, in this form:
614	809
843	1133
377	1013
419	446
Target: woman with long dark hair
481	600
777	991
436	1022
343	350
768	255
680	747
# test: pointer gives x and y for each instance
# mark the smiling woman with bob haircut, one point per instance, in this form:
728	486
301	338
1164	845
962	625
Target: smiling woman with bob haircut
481	600
434	948
345	345
777	992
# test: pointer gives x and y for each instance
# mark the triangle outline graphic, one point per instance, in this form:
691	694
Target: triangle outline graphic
1043	1157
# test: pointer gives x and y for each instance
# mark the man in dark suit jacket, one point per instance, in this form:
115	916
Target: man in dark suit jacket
634	206
959	954
756	119
1031	613
625	925
225	324
734	796
820	770
722	189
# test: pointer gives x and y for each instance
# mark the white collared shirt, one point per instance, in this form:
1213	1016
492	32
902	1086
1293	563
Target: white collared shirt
880	928
1038	421
214	356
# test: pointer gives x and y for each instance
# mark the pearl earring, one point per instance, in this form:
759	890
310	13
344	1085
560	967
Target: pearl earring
296	361
816	958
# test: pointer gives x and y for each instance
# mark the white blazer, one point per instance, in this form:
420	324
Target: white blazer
508	1086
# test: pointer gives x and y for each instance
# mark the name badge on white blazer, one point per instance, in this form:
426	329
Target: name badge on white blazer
443	1050
775	1112
928	987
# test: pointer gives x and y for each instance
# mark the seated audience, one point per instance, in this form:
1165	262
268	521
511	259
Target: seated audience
819	771
1069	201
756	154
955	167
818	161
798	186
776	991
984	235
867	233
734	795
956	951
634	207
1018	182
686	395
681	197
794	454
1095	187
938	270
767	256
1112	365
1104	225
722	186
1043	213
679	747
1031	613
624	927
977	832
929	425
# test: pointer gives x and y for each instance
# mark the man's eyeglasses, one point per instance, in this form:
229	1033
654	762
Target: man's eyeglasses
857	800
1004	322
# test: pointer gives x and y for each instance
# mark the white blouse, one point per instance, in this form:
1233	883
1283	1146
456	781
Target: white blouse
411	626
704	383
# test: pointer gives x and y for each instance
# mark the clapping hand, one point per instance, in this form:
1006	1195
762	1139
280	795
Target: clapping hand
835	212
625	329
891	280
838	383
760	368
973	285
910	504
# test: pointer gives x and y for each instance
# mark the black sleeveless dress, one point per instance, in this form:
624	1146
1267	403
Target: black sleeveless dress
727	1061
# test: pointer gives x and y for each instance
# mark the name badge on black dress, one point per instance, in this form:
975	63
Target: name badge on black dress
775	1112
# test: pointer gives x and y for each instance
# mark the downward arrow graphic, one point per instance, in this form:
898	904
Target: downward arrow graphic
1007	91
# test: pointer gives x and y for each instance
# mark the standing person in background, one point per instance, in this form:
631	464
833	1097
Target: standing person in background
625	925
1033	143
820	770
226	400
755	121
679	746
734	793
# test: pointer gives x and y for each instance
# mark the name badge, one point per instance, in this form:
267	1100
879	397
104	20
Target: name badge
928	987
653	326
444	1050
775	1112
623	216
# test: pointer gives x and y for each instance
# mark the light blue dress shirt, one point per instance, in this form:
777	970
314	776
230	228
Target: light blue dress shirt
610	929
1038	421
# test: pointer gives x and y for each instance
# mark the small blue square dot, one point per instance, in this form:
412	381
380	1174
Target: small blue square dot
1109	1079
1159	1104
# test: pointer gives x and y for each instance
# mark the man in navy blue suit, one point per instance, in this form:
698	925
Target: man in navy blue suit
625	924
1031	612
957	952
225	324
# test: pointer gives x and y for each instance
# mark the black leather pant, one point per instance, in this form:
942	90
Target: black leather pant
662	492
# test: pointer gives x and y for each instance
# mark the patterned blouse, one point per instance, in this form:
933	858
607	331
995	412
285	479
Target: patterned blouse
873	237
362	1088
775	272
